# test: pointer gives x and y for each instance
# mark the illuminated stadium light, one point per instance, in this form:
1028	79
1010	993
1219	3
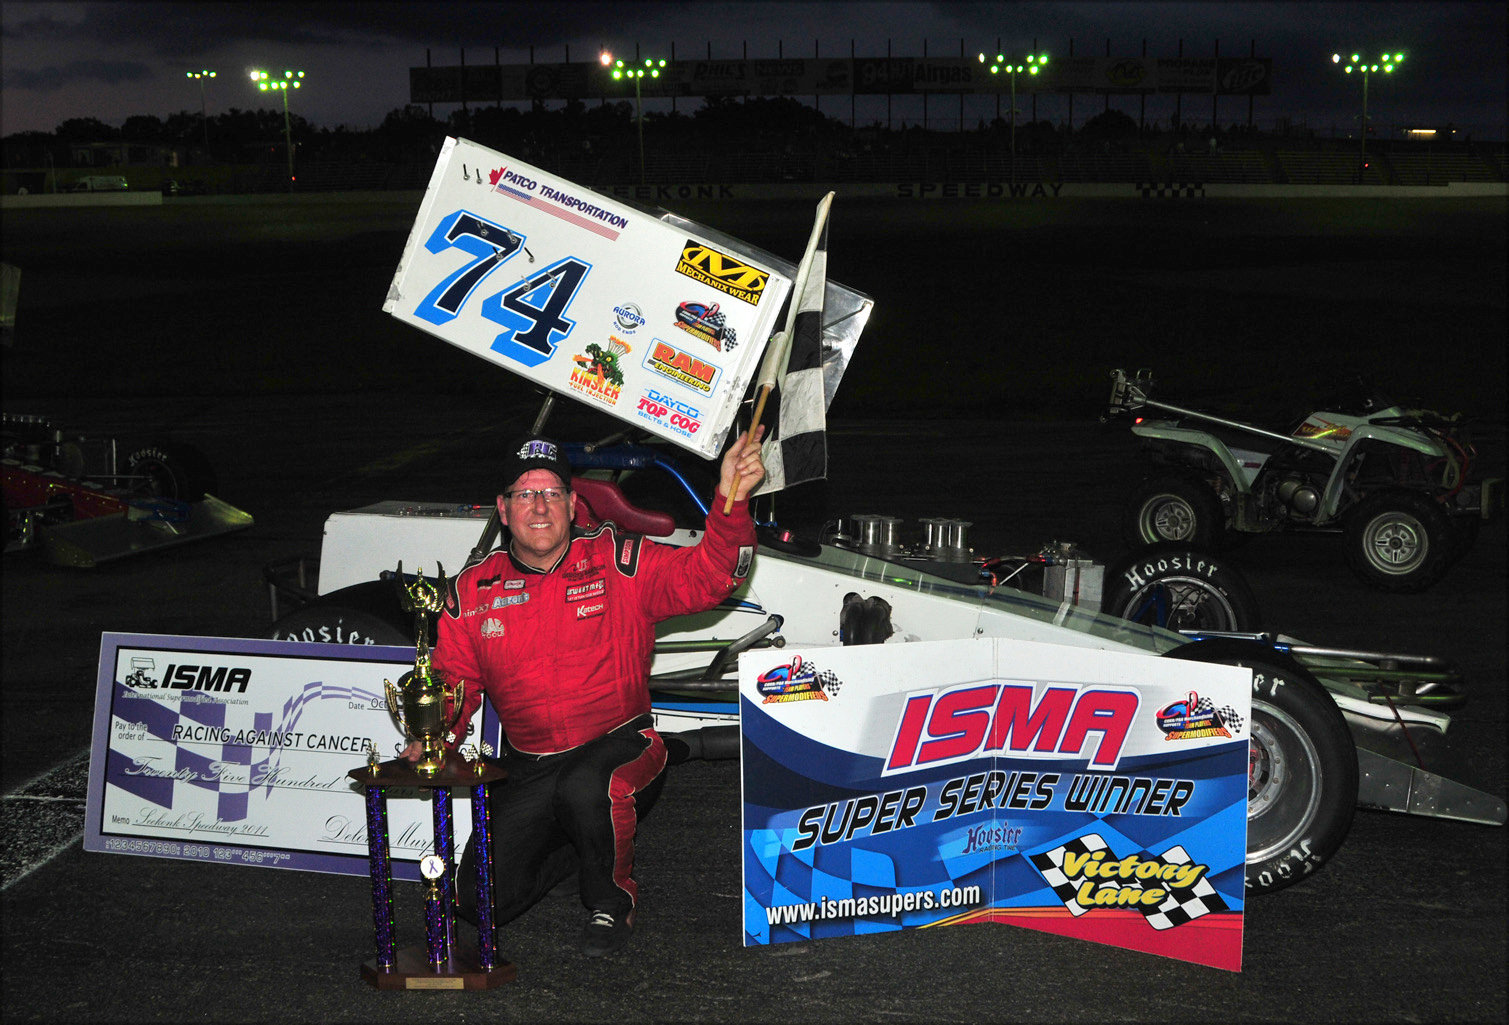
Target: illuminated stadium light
204	112
291	79
1367	70
1033	63
652	67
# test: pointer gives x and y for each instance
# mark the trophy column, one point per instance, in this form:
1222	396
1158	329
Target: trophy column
441	962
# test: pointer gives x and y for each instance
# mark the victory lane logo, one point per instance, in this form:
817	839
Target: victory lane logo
1193	717
797	681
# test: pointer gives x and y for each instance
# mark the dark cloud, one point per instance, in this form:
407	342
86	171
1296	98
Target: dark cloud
175	29
54	77
360	52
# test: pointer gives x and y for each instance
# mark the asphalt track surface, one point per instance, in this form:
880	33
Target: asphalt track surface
253	332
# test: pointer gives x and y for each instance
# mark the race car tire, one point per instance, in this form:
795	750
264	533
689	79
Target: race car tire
1399	540
1173	508
1302	765
1181	588
360	614
180	472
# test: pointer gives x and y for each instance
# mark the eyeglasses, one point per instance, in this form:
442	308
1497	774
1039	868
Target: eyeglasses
527	496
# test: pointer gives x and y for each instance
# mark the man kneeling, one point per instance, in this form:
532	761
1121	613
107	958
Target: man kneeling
558	632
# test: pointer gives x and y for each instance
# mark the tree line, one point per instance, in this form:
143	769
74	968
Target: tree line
411	133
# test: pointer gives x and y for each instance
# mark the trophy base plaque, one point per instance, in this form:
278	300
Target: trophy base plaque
413	970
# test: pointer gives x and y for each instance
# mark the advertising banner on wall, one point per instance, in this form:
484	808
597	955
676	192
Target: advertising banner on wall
1093	794
236	751
586	296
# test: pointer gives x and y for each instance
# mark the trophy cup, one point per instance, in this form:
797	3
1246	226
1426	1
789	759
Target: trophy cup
417	703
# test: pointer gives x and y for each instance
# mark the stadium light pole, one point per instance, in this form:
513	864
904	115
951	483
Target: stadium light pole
290	80
1366	69
204	110
652	66
1035	62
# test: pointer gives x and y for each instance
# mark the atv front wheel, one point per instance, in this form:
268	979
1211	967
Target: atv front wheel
1302	765
1173	509
1399	540
1181	588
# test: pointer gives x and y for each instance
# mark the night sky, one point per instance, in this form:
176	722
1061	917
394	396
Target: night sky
113	60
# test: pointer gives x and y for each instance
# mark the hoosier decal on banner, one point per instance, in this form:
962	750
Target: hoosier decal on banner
1094	794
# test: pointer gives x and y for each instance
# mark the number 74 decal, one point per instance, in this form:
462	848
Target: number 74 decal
532	312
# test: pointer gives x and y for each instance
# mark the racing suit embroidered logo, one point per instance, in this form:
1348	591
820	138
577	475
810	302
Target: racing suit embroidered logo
582	569
592	589
503	601
492	629
589	611
477	611
512	585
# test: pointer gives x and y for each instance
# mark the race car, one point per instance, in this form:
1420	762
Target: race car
1328	724
85	504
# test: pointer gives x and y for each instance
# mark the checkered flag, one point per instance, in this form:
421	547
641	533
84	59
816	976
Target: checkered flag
1185	904
1225	715
829	681
796	440
1050	865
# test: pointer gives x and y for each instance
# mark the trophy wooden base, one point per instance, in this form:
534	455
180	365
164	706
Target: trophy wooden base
412	970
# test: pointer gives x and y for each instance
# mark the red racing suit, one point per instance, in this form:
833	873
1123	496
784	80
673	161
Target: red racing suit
564	657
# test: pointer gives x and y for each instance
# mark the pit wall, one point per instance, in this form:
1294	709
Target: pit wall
28	202
659	195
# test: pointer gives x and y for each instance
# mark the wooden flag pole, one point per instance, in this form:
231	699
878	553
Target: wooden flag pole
759	411
773	366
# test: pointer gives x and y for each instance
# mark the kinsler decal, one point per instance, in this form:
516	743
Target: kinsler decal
597	373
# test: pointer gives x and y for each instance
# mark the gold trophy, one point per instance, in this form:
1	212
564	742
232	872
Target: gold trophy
417	703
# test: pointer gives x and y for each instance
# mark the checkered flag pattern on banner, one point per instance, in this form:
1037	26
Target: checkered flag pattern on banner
829	681
796	436
1184	904
1228	715
197	784
1050	865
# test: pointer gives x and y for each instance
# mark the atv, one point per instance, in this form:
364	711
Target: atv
1396	483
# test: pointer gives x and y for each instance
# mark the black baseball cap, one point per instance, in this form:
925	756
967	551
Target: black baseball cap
534	452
